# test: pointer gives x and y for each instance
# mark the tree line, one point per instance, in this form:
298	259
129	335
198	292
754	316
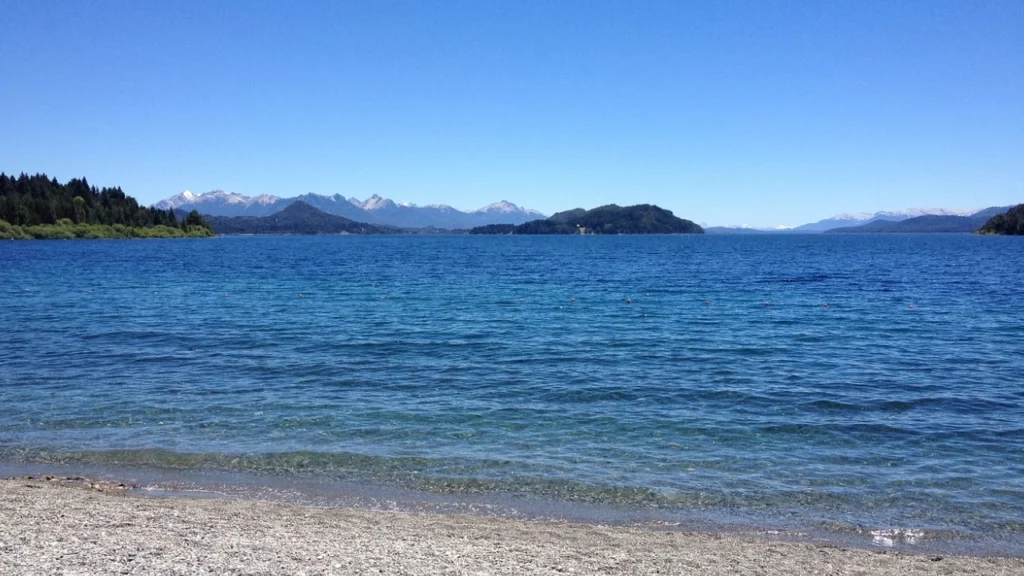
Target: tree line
32	201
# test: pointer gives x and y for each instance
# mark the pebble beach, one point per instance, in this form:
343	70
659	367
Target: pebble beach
75	526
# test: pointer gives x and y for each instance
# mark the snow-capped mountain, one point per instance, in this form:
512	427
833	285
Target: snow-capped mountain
375	202
845	220
374	210
221	203
337	205
915	212
176	201
506	207
380	210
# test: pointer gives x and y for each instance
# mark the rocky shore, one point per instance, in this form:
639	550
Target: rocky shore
76	526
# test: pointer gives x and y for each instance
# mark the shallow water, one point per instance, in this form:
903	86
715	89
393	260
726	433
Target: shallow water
513	367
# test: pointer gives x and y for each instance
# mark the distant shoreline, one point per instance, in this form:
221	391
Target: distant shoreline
84	231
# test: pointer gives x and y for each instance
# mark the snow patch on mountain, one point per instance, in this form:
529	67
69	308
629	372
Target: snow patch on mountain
264	199
186	197
847	220
861	217
374	210
376	202
915	212
902	214
506	207
213	197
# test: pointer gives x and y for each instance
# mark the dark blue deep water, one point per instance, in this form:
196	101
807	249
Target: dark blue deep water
513	367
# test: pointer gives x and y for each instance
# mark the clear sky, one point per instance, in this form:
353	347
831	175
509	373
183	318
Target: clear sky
757	112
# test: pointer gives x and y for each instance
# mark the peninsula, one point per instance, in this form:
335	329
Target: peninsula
610	219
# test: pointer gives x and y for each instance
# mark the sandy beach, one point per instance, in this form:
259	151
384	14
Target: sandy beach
79	527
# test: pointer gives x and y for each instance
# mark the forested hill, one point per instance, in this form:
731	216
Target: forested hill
1009	224
297	218
610	219
41	207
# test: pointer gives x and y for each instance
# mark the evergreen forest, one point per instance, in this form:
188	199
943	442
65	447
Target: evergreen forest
1009	224
38	207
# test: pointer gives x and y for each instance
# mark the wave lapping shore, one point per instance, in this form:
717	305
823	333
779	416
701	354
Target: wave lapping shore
55	527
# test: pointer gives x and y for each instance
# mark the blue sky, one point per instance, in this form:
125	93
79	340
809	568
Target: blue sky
757	113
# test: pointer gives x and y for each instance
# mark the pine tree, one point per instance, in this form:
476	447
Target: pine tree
30	200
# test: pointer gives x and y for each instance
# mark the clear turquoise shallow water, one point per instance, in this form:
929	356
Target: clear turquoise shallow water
462	366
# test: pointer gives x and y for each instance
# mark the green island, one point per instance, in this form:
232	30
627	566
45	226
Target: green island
38	207
1010	223
610	219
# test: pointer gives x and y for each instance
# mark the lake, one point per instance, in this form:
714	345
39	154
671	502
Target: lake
867	388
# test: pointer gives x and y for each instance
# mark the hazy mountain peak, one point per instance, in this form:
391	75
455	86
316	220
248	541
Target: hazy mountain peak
221	195
903	214
850	220
501	206
377	202
264	199
177	200
849	216
915	212
506	207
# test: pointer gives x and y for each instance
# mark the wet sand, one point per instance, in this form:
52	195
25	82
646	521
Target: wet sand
79	527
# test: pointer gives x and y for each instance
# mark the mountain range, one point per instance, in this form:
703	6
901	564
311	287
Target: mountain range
917	220
929	223
374	210
296	218
383	212
847	220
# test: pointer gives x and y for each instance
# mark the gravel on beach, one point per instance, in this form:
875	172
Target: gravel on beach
63	527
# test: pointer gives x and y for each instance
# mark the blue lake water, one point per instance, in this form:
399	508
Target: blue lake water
514	367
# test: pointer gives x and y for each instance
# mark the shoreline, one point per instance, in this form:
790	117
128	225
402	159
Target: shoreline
87	526
325	492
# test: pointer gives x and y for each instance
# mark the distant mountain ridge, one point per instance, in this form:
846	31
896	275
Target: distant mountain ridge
374	210
296	218
221	203
929	223
739	230
846	220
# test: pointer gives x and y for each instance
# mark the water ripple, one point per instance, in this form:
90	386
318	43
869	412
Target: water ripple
516	365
